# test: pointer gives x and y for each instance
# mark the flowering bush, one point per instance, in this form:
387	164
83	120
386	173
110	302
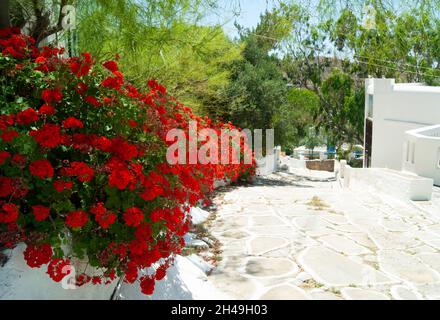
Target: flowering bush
83	170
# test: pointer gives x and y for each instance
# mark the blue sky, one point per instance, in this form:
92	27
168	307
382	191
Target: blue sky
248	14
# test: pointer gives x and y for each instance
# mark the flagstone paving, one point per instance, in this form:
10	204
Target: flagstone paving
300	235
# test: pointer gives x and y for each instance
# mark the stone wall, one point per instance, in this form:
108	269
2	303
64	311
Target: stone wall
321	165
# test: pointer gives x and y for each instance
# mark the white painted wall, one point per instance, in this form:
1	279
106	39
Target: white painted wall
396	109
401	185
270	163
421	152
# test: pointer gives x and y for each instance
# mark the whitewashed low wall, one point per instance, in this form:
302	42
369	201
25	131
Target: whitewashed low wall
421	152
399	184
19	282
270	163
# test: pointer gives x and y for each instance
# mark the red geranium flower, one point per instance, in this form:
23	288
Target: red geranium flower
102	143
147	285
6	186
104	217
120	178
133	217
46	109
36	256
9	213
160	273
96	280
52	95
93	101
9	135
80	170
72	122
77	219
4	155
111	65
41	169
143	232
48	136
61	185
27	116
41	212
58	269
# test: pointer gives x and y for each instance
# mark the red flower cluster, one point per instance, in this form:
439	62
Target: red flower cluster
49	135
41	169
80	170
104	217
133	217
51	96
77	219
9	213
58	269
36	256
41	212
72	122
96	150
27	116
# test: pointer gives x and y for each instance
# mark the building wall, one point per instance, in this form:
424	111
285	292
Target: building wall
421	153
397	108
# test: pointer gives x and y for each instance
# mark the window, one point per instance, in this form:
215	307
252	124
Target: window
413	152
438	159
370	106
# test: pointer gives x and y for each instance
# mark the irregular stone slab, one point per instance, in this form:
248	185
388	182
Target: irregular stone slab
406	267
431	259
344	245
235	286
285	292
404	293
282	231
270	267
434	229
391	240
397	225
324	295
347	228
235	234
304	276
238	222
431	291
258	209
294	210
262	245
335	218
235	247
230	207
421	249
333	269
266	221
311	223
363	294
279	253
322	232
362	239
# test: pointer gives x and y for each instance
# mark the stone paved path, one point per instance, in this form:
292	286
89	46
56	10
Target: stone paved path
292	237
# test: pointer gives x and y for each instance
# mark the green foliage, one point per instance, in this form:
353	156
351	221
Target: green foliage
165	41
342	109
312	139
298	114
258	90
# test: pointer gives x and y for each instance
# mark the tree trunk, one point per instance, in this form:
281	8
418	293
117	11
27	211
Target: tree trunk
5	22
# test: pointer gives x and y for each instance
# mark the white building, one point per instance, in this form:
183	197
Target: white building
421	153
391	110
